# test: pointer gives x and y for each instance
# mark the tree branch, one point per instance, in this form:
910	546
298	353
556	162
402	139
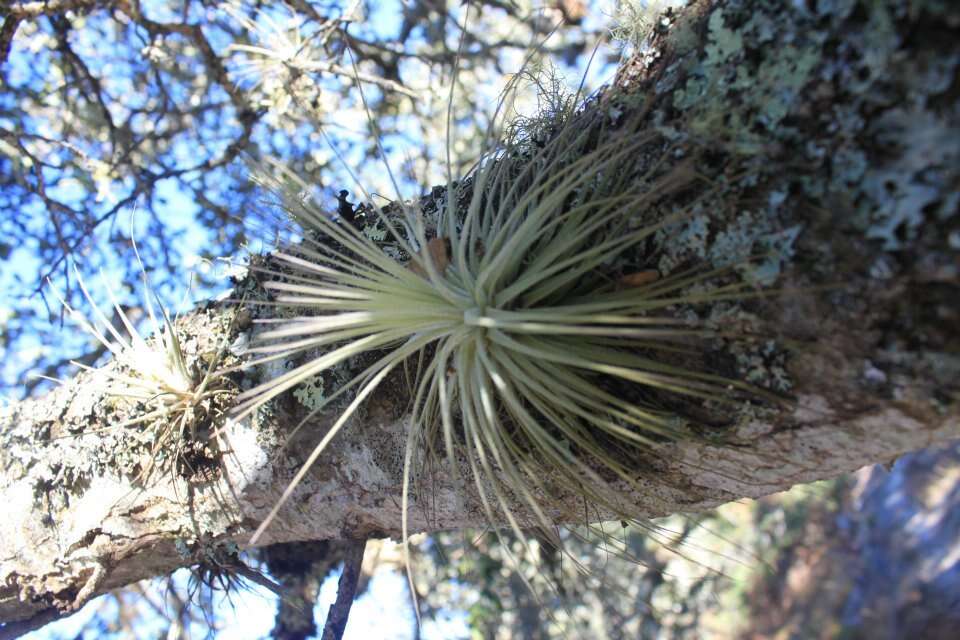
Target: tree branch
39	8
339	611
7	31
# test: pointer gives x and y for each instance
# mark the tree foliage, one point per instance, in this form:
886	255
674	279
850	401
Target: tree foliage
111	109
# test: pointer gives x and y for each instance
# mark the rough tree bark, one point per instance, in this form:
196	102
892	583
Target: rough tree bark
834	132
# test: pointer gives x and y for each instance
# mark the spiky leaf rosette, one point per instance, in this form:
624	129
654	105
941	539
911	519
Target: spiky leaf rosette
525	337
150	374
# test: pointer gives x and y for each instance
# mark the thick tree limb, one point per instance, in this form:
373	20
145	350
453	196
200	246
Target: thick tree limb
837	159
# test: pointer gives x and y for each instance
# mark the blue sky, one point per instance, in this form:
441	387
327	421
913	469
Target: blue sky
381	613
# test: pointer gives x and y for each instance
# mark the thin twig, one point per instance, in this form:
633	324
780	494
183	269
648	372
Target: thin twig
346	590
256	577
50	7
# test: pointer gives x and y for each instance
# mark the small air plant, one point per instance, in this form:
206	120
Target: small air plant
171	398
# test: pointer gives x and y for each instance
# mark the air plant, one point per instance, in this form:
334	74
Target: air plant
153	374
551	361
524	335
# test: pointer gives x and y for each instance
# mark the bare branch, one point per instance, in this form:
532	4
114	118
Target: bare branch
50	7
7	31
346	590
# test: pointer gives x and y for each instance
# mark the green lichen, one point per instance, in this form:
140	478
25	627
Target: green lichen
749	76
722	43
826	104
686	240
898	197
777	82
183	548
751	242
310	393
314	393
763	364
750	236
896	170
375	231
